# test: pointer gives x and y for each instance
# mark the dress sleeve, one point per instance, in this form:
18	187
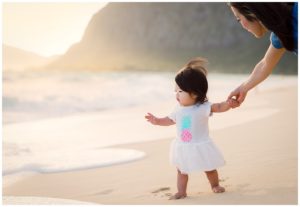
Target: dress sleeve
208	109
275	41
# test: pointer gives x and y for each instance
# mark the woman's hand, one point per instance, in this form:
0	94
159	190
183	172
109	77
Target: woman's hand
239	94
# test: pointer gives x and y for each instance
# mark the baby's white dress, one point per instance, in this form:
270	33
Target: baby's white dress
193	149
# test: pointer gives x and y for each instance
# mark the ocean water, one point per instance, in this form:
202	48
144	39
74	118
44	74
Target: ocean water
30	96
55	122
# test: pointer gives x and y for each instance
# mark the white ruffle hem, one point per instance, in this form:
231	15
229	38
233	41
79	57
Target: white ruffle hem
195	156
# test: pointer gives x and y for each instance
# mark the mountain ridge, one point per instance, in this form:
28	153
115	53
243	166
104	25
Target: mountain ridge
163	36
17	59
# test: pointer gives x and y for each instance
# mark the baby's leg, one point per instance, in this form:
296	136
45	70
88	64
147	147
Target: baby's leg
182	180
214	181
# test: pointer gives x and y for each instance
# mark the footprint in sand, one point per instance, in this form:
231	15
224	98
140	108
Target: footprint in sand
104	192
163	191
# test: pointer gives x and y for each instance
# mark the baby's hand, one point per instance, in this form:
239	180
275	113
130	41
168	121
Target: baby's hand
151	118
233	103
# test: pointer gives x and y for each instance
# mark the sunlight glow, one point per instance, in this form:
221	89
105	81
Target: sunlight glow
46	28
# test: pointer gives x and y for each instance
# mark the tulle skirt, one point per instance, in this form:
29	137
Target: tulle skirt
197	156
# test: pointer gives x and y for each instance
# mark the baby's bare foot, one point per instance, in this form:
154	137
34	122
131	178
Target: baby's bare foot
177	196
218	189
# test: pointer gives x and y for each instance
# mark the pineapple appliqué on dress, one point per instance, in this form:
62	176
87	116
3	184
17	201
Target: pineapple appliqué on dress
186	135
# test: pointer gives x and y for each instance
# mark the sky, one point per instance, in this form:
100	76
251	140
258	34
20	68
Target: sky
46	29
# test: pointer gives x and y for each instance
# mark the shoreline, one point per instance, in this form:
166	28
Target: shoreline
253	173
86	127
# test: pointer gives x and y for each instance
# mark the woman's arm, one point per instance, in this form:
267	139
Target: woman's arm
166	121
261	71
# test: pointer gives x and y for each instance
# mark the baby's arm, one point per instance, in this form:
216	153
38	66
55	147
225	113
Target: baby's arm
166	121
223	106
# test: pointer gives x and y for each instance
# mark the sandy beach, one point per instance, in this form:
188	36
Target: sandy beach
261	165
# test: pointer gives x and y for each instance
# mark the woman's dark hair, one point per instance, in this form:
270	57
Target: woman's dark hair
192	79
276	17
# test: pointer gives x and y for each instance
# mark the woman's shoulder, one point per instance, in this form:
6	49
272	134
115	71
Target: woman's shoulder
275	41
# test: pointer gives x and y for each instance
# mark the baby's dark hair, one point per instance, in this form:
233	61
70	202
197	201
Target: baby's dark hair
192	79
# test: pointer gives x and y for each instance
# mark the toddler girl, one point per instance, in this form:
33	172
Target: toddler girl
193	149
